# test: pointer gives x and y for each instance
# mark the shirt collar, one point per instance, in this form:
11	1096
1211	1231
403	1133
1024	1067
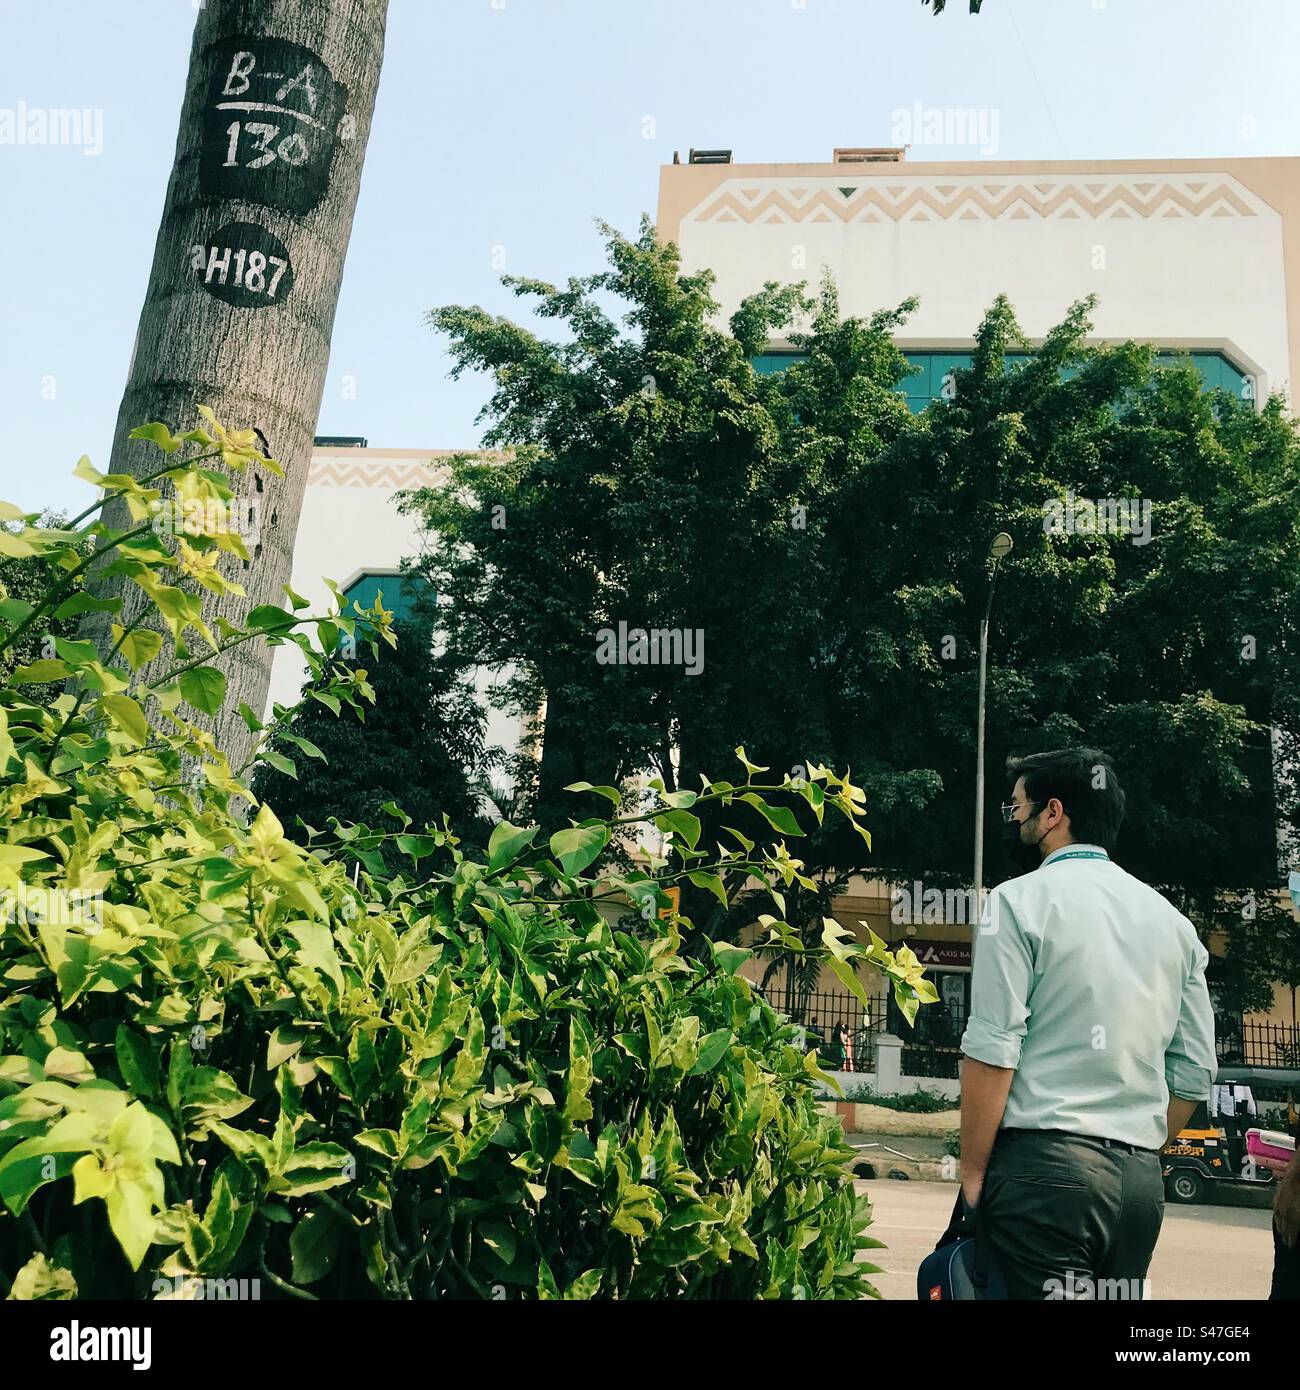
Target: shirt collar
1066	849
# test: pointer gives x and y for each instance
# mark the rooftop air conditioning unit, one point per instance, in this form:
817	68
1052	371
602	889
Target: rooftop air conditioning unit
710	157
884	155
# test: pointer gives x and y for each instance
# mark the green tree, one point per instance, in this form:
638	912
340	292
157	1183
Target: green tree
419	744
230	1056
637	452
830	545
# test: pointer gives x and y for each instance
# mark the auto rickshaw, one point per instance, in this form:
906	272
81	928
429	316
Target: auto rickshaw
1206	1154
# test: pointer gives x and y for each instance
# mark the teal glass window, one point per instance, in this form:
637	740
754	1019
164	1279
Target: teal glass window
932	369
399	592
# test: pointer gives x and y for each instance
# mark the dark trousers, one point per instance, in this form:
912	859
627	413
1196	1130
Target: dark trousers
1068	1216
1286	1270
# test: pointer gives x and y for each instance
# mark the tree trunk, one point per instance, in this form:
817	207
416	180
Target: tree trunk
246	272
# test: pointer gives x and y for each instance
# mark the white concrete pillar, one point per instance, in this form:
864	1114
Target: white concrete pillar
889	1064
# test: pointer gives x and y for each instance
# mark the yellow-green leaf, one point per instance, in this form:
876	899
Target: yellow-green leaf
128	716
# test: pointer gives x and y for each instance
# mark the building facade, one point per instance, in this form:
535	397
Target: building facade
1192	256
350	531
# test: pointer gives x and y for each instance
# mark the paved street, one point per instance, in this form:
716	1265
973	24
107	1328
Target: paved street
1219	1251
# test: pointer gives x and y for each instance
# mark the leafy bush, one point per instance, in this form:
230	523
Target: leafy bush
918	1102
226	1055
25	577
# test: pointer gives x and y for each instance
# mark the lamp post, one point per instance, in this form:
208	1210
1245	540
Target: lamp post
1000	547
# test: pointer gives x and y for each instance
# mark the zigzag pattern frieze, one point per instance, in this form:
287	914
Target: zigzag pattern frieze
991	201
337	473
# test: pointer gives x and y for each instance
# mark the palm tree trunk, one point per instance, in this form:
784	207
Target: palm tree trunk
247	268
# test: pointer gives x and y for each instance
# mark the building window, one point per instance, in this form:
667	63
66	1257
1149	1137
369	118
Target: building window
931	377
396	591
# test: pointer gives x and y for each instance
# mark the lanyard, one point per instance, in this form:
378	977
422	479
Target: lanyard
1079	854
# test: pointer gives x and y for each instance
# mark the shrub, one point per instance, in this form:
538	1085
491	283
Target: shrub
918	1102
226	1055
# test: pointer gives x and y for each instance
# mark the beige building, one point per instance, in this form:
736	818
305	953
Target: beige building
1191	255
351	531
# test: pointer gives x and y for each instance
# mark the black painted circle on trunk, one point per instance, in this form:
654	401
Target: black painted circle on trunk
271	121
244	264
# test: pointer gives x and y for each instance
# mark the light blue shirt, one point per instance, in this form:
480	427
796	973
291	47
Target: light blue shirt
1092	987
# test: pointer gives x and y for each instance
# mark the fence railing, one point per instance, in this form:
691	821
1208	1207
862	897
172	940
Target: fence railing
822	1011
1260	1045
932	1048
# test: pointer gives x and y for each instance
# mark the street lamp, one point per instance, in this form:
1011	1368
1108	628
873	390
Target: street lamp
1000	547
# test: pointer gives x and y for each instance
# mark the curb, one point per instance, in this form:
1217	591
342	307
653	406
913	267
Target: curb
924	1171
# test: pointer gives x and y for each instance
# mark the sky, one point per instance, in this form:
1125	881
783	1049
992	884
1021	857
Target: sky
504	128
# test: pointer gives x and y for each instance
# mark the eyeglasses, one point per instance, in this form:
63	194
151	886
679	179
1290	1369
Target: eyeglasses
1009	809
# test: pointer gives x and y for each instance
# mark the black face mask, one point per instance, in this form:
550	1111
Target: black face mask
1024	857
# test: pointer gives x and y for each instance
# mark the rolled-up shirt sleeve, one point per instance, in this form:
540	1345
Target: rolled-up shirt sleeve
1190	1059
1001	977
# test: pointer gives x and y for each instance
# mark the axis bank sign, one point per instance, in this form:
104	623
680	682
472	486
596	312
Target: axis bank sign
949	953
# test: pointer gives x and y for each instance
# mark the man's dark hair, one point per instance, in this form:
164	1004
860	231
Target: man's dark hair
1083	780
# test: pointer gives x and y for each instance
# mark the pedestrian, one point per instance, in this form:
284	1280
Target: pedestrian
1233	1102
1286	1226
1090	1043
847	1043
835	1052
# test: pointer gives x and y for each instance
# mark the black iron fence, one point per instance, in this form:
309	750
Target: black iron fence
822	1012
932	1046
1259	1044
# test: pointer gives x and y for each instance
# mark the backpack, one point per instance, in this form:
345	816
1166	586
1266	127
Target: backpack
961	1266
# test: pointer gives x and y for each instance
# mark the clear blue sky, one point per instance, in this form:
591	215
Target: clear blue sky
514	123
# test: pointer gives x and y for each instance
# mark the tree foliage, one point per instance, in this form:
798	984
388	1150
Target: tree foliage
419	744
831	548
24	578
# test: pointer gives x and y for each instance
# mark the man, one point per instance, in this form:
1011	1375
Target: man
1233	1101
1089	1044
1286	1227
